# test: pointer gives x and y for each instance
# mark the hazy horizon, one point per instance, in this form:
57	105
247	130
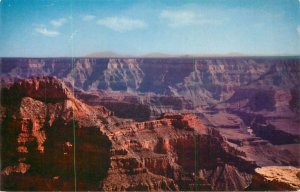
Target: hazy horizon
80	28
108	54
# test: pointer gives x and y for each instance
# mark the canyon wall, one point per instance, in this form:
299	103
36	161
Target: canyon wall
246	86
201	80
60	142
38	138
147	124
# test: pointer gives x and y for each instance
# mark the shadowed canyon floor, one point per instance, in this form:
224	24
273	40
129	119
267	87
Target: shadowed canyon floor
150	124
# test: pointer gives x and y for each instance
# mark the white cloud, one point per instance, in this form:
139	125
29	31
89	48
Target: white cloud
177	18
121	24
298	29
88	17
46	32
58	22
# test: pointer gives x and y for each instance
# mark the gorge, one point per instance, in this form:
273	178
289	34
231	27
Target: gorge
148	123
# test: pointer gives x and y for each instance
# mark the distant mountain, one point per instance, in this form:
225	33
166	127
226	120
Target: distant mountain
111	54
102	54
158	54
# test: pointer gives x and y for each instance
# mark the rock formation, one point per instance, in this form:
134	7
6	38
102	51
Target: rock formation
276	178
154	124
174	152
180	151
38	138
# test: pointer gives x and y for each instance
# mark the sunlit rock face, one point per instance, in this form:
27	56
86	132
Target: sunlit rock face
277	178
38	138
177	149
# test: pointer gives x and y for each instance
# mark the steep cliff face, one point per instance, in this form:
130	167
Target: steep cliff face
216	75
38	138
180	150
202	81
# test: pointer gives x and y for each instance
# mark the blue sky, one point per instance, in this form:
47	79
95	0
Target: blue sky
40	28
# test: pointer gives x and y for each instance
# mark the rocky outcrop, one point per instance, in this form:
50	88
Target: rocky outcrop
276	178
38	138
180	150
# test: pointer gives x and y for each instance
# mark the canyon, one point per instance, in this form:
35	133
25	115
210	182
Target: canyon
118	124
